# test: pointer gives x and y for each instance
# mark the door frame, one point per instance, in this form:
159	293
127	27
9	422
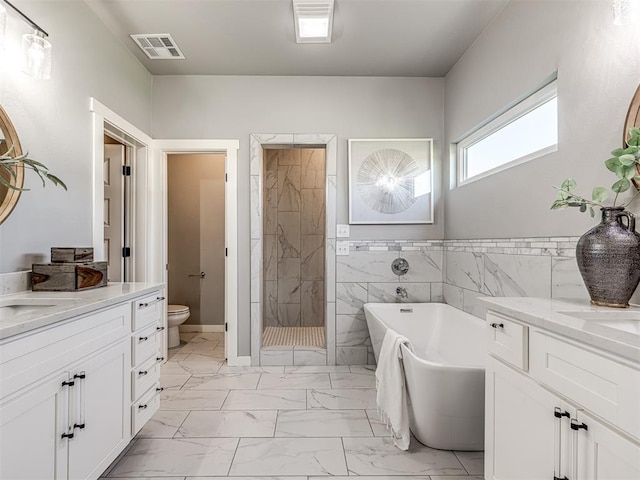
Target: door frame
163	148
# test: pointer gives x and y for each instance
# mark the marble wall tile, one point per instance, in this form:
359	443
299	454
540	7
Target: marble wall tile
289	314
330	270
566	281
330	319
453	296
332	201
276	357
517	275
386	292
312	304
289	456
306	356
332	155
256	269
289	156
352	356
312	253
256	142
288	189
437	293
312	138
271	304
270	160
352	331
15	282
350	298
289	234
312	161
375	266
270	258
472	305
256	332
256	206
271	212
289	280
465	269
312	220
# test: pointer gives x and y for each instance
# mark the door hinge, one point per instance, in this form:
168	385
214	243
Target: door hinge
126	170
226	177
226	252
226	327
126	252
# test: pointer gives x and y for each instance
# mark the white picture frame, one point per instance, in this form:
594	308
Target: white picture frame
390	181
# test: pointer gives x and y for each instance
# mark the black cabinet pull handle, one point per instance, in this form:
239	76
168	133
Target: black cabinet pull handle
558	413
67	435
78	425
576	426
142	407
70	383
148	304
142	373
81	376
160	329
497	325
159	389
160	359
143	339
560	478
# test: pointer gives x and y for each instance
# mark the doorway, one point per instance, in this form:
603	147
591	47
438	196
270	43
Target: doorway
196	238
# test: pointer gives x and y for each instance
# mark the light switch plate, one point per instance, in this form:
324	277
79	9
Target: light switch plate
342	248
342	231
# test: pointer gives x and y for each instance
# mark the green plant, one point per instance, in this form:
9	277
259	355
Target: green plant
623	163
7	164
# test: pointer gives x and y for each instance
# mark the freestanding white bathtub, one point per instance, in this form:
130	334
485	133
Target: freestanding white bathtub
445	373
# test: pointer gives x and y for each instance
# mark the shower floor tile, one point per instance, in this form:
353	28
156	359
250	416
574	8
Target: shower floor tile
293	336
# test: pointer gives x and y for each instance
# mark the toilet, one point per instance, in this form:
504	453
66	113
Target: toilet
176	316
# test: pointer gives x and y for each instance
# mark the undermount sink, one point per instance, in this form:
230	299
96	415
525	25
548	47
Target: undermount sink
627	320
13	307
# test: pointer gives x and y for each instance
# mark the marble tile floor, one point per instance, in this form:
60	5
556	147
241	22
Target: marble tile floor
302	423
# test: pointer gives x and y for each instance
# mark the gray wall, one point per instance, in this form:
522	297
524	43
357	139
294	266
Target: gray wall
350	107
53	122
598	68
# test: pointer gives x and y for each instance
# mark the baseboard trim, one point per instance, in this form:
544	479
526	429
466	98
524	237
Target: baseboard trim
244	361
201	328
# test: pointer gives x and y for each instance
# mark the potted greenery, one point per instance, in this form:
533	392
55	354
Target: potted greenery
608	255
8	166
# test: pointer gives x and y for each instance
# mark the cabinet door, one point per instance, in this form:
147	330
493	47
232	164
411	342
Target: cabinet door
31	429
603	454
100	409
523	440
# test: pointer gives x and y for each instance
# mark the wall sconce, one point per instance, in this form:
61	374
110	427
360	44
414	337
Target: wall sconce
36	50
625	12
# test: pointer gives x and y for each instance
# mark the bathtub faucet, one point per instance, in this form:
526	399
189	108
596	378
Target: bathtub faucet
401	292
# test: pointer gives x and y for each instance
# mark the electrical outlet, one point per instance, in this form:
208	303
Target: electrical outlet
342	248
342	231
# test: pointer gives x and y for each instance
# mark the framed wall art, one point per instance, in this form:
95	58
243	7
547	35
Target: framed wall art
391	181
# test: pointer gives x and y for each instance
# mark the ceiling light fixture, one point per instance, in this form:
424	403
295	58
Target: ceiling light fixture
36	50
313	20
625	12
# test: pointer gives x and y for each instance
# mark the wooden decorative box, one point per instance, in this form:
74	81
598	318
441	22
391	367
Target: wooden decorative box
71	254
68	277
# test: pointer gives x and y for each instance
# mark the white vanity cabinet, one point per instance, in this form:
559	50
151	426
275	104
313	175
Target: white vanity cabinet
556	408
66	396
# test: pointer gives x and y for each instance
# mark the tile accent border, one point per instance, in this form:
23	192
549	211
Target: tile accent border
257	142
552	246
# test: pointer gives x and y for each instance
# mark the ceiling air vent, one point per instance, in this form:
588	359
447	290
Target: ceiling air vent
158	46
313	20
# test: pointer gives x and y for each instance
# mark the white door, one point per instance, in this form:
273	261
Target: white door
526	433
31	429
114	161
603	454
100	411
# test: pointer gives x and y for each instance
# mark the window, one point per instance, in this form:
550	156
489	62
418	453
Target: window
524	132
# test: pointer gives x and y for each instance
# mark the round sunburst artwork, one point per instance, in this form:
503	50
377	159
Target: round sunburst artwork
385	181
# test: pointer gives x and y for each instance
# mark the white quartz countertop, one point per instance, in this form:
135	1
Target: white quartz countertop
615	330
51	307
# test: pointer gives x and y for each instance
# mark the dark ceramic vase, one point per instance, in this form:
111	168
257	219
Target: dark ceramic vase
608	257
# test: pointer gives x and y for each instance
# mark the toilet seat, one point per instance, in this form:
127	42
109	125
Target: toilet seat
177	309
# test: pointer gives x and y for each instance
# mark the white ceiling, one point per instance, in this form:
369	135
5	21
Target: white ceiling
256	37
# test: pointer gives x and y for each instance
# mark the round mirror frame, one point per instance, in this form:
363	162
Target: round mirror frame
8	203
633	120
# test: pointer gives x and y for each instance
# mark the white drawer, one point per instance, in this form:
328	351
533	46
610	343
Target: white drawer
144	376
508	340
145	344
147	310
598	383
143	409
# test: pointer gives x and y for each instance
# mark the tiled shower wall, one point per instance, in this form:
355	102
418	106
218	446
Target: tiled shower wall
294	231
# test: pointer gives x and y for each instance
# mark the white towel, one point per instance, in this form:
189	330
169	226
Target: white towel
392	392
